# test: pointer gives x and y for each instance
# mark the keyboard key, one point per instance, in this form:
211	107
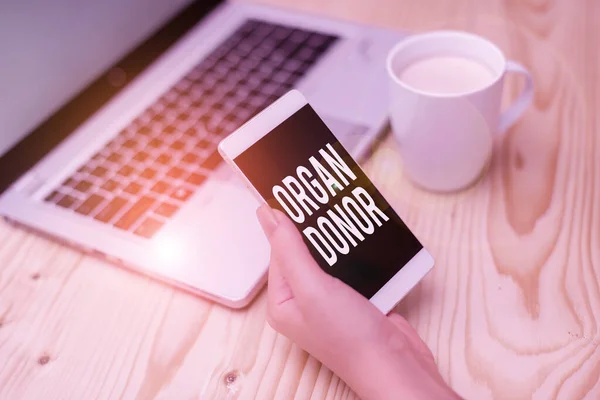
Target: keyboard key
129	144
190	158
135	213
212	161
218	130
85	169
176	173
191	132
164	159
281	77
115	158
245	114
156	143
90	204
181	193
126	171
171	109
99	172
141	157
133	188
169	130
69	182
271	99
97	157
281	32
146	131
148	173
166	210
292	65
195	179
306	54
157	119
161	187
148	228
232	118
204	120
209	91
197	104
266	69
317	40
53	197
83	186
203	144
67	201
178	145
110	185
111	209
171	106
298	36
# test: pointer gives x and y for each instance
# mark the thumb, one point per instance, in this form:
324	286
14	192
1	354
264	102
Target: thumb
290	254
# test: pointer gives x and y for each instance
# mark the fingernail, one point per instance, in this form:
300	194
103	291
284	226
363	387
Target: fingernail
267	219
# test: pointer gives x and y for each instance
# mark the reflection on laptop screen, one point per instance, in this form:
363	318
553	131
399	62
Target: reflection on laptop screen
53	50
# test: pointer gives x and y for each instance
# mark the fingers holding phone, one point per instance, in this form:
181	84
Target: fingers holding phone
290	160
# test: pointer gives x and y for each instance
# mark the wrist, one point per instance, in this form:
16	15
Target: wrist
393	370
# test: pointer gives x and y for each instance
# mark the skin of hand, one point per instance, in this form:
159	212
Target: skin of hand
378	356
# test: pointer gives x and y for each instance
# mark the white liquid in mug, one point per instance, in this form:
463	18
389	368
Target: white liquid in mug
447	75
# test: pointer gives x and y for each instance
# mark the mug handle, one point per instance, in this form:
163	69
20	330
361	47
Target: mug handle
516	109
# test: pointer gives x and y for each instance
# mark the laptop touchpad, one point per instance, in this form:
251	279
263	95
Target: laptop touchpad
223	249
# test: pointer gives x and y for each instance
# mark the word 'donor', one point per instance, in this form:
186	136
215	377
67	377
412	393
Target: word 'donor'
343	225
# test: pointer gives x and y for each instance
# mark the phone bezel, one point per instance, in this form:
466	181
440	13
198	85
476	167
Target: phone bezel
261	125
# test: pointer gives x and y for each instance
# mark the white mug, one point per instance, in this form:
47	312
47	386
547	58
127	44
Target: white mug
446	138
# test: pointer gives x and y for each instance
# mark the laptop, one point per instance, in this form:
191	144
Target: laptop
128	169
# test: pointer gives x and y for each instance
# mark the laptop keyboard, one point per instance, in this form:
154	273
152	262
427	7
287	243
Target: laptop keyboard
140	179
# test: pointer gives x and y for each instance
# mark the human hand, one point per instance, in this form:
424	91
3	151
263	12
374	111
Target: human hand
380	357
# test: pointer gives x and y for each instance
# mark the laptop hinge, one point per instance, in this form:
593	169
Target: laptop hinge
29	184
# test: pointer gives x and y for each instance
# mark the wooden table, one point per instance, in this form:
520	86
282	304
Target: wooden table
512	310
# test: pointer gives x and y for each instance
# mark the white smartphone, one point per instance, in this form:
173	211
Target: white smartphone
290	159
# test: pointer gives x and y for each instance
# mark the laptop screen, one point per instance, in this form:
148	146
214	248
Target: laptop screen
58	61
53	50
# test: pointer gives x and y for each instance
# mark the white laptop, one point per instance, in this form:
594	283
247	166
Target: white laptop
128	169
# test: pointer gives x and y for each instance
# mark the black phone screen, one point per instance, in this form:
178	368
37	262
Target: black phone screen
352	232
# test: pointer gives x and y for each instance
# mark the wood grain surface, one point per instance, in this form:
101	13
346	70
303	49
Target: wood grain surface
511	310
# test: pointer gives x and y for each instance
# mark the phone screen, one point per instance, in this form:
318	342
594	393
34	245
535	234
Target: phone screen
301	169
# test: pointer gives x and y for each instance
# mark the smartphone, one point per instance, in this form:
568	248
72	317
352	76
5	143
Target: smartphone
290	159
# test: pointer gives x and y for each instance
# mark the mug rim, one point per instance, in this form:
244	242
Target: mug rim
411	39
